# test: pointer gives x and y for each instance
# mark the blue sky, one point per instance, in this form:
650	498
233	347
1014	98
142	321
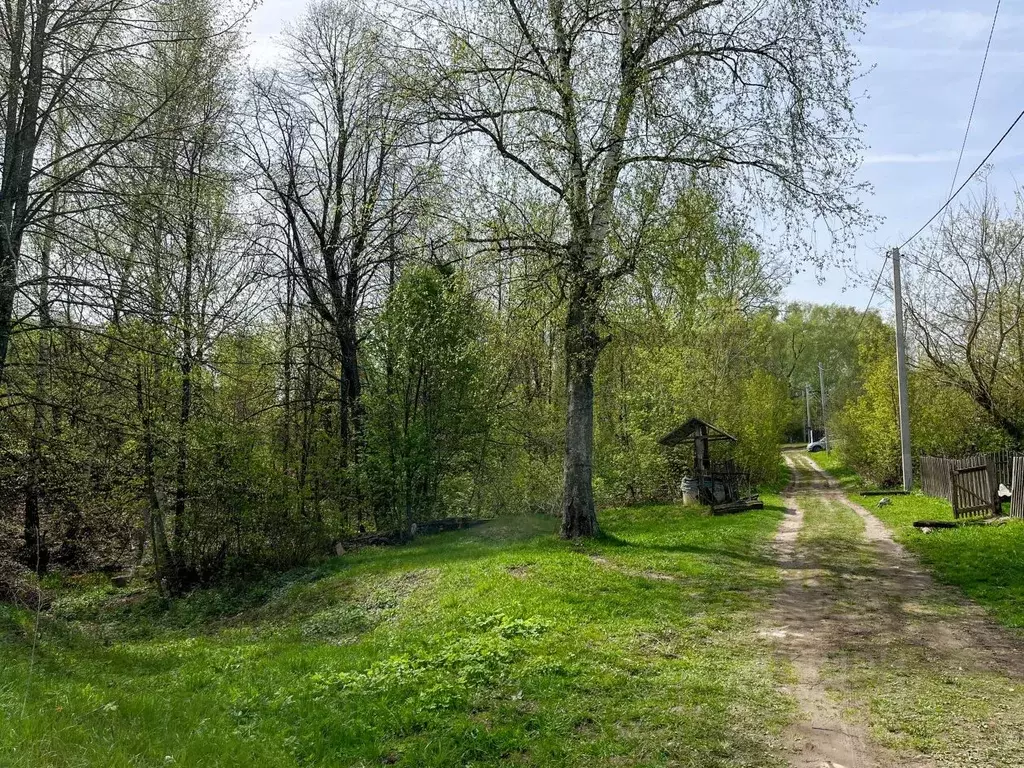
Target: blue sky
917	98
921	64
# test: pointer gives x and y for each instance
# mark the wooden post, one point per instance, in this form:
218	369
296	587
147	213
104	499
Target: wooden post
1017	489
993	485
951	469
701	452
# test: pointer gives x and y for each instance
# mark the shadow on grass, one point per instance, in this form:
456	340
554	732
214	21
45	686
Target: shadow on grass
731	526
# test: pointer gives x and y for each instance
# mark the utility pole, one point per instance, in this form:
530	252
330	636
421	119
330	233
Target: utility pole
808	432
901	372
824	417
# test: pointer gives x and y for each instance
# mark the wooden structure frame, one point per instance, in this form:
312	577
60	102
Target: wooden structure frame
701	434
722	485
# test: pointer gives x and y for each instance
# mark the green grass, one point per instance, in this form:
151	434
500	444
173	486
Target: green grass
985	561
832	463
834	534
500	645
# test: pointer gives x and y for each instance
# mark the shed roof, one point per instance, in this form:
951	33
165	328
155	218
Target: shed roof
690	430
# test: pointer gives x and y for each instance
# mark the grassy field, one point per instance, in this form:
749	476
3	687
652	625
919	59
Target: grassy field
985	561
500	645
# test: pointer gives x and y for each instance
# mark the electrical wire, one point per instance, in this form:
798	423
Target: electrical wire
963	146
974	102
878	281
967	180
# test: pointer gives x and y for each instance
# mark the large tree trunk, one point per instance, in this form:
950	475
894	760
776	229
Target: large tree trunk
351	421
351	414
24	90
37	555
582	346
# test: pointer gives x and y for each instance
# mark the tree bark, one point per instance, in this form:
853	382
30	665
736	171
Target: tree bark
582	346
8	281
162	559
21	136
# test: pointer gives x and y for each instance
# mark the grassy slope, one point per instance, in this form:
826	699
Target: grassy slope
987	562
500	645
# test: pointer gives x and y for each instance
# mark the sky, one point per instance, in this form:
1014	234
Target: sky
921	60
924	59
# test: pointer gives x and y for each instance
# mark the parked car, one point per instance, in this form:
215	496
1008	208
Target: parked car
817	445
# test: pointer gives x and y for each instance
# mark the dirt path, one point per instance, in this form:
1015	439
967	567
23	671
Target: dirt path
890	669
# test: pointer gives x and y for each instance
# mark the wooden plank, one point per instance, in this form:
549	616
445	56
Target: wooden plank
993	490
953	498
1017	489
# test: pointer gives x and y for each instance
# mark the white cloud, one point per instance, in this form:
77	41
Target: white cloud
938	156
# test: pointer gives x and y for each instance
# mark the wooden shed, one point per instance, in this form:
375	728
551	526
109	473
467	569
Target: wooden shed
720	484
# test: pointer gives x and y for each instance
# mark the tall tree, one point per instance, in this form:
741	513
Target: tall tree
70	71
965	303
575	98
331	141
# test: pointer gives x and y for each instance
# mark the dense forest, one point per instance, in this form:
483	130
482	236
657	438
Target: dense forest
473	264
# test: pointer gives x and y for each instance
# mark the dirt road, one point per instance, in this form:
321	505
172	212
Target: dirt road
889	668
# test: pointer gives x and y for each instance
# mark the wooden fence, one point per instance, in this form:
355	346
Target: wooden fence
970	484
1017	501
935	471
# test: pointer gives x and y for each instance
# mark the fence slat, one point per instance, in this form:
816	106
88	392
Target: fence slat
936	477
1017	488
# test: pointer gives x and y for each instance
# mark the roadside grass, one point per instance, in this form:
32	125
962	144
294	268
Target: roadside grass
916	697
985	561
832	463
498	645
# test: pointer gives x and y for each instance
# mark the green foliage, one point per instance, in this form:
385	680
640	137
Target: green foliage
760	422
866	430
944	421
427	414
691	337
808	334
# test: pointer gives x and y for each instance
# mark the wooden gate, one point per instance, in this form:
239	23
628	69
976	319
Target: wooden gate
1017	489
973	491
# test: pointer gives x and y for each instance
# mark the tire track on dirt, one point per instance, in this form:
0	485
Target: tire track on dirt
824	736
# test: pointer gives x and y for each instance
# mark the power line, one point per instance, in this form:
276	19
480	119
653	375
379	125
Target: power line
974	102
967	180
963	145
878	281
